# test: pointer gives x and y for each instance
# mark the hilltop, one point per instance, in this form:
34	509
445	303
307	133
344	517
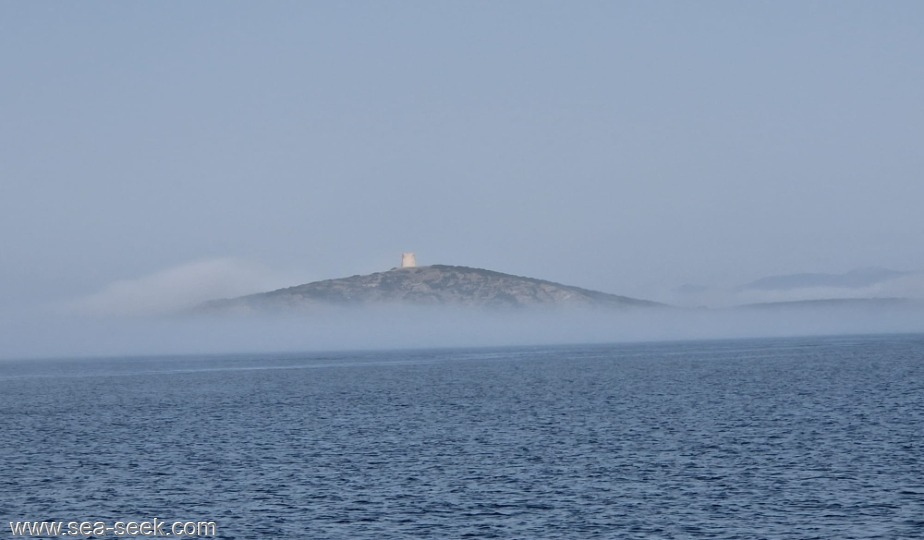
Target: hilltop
428	286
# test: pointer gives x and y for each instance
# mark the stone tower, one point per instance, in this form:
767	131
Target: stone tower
408	260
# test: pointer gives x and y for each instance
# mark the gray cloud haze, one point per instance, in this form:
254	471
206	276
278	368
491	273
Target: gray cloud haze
176	289
154	155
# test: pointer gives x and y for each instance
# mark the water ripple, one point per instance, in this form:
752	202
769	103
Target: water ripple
747	439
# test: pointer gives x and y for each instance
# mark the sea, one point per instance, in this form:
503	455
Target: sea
796	438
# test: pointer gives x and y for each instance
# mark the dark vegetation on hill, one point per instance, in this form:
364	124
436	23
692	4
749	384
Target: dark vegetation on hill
429	286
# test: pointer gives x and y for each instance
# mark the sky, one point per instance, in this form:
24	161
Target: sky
154	150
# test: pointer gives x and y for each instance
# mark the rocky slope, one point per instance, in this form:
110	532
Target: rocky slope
427	285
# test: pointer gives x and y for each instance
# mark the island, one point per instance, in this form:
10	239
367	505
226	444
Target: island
434	285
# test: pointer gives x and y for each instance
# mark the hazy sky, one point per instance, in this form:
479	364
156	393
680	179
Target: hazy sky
629	147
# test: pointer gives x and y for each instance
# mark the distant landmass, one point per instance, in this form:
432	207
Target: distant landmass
434	285
862	288
855	279
862	303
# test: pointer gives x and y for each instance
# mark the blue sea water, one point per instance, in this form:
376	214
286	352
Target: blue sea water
774	438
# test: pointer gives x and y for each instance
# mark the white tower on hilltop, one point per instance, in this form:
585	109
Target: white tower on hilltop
408	260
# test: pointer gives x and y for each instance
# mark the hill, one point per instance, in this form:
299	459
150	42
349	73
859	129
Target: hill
428	286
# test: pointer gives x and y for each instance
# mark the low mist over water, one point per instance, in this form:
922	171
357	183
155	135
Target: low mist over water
414	327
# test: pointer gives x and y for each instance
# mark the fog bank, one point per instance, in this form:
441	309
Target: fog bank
38	334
